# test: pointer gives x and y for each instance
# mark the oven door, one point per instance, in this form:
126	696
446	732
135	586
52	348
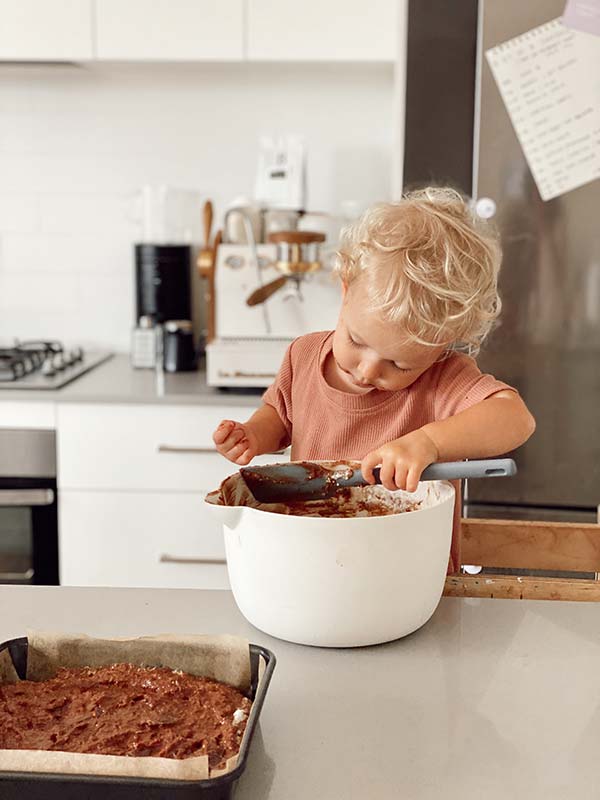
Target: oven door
28	531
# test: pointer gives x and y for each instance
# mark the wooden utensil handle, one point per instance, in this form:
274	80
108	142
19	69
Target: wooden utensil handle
211	322
207	218
264	292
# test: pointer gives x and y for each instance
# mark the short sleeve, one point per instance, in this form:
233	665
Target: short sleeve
461	385
279	394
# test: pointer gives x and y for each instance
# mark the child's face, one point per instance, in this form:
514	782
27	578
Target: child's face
371	353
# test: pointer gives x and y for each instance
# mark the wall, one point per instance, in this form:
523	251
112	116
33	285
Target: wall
77	143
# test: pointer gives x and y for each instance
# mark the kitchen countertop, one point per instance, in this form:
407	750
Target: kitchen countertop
491	699
116	381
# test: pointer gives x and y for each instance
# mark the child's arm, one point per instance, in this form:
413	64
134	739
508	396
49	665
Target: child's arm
241	441
489	428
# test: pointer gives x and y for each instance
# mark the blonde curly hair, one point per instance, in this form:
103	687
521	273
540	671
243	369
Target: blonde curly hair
429	263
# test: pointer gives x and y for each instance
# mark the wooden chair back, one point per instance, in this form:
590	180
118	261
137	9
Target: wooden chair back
515	544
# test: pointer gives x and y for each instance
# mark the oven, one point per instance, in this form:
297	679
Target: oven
28	507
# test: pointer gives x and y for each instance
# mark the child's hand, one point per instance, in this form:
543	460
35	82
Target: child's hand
402	461
236	441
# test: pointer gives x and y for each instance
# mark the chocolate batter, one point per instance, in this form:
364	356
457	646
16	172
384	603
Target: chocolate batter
345	503
127	711
330	499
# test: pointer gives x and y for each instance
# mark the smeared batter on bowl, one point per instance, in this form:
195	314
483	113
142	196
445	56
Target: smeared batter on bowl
366	501
125	710
344	502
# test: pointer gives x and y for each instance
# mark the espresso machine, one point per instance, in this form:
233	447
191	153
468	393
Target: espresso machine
263	296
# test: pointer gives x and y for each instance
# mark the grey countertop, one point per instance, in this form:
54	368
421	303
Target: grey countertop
491	699
116	381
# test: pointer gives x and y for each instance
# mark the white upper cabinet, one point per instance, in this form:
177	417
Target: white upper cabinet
169	30
322	30
199	30
46	30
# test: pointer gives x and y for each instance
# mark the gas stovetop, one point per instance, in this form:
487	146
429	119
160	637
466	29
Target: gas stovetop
44	365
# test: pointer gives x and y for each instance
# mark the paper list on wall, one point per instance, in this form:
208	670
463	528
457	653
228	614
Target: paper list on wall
549	79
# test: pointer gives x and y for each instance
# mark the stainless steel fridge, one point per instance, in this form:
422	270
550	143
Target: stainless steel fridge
548	341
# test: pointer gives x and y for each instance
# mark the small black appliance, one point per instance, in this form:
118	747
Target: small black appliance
162	281
178	346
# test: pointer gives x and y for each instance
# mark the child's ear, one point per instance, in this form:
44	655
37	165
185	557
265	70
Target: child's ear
344	289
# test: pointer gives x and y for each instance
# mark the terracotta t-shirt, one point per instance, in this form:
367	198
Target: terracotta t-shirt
327	423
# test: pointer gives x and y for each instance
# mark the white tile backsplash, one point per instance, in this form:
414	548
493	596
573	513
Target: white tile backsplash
19	213
88	213
78	142
94	311
76	252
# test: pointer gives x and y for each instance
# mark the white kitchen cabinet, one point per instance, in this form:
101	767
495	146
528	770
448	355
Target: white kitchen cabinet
131	480
46	30
169	30
38	415
198	30
139	539
142	447
317	30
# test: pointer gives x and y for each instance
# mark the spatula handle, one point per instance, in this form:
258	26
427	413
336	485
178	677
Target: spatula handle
456	470
484	468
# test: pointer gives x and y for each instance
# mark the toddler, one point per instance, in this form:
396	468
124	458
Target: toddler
395	384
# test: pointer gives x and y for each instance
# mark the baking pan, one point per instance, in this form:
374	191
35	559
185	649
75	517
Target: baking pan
47	786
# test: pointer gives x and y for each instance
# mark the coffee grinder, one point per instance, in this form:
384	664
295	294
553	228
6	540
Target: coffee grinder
162	281
162	267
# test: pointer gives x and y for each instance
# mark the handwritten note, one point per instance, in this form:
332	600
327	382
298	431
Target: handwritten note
583	15
549	79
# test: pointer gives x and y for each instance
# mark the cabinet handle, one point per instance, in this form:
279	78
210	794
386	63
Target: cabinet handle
26	497
165	558
17	577
168	448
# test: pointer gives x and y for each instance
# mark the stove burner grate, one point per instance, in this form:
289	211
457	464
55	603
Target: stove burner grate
47	357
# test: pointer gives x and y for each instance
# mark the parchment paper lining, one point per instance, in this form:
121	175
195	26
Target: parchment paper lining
223	658
8	673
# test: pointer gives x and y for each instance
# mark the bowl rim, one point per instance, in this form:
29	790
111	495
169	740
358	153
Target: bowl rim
449	496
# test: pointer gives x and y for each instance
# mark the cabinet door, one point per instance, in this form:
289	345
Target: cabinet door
46	30
131	447
139	539
336	30
169	30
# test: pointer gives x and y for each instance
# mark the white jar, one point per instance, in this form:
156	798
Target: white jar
143	344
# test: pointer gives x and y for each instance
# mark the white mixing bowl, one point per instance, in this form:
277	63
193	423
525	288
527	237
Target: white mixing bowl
339	582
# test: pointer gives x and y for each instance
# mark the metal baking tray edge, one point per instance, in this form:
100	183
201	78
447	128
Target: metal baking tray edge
50	786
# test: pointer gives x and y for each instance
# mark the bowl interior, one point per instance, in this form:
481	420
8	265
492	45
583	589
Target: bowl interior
351	503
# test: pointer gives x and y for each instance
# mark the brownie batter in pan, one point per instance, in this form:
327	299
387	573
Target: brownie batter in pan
125	710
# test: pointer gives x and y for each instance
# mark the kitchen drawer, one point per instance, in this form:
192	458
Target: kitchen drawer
19	414
143	447
139	539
